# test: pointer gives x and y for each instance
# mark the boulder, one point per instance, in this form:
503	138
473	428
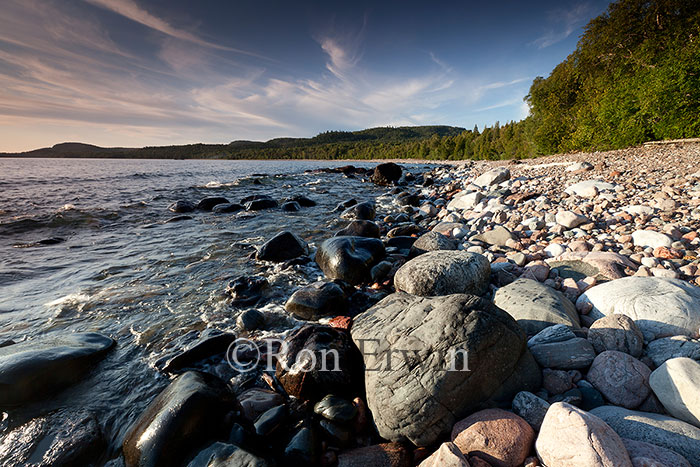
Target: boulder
247	290
585	188
260	204
536	306
666	348
447	455
616	332
316	360
657	429
256	401
303	201
290	206
227	208
386	173
207	204
192	410
360	228
349	258
207	346
659	307
642	450
675	383
282	247
36	368
621	378
465	201
492	177
443	273
182	206
599	264
570	437
499	235
223	454
360	211
499	437
317	300
408	343
432	241
570	354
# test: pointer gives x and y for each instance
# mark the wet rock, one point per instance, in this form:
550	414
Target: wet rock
256	401
207	204
360	211
36	368
316	360
570	437
291	206
378	455
675	383
260	204
492	177
250	320
444	273
531	408
657	429
640	449
336	409
302	448
501	438
499	235
616	332
659	307
60	439
386	174
206	347
189	412
247	290
317	300
303	201
226	208
433	335
621	378
282	247
349	258
270	420
360	228
447	455
222	454
182	206
535	306
432	241
178	219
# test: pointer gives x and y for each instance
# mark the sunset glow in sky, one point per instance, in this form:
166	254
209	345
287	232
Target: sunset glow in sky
161	72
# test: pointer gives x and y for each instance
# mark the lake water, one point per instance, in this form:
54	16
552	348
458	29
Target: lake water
123	272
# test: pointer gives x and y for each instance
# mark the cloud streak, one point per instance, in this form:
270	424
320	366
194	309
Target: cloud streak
566	22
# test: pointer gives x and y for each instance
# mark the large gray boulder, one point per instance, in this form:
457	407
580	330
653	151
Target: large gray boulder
190	411
444	273
38	367
432	241
492	177
414	348
535	306
660	307
349	258
675	383
653	428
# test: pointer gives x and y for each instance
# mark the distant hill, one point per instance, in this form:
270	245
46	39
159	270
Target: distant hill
381	142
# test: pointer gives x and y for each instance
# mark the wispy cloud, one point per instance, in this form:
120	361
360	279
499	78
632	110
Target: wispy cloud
565	22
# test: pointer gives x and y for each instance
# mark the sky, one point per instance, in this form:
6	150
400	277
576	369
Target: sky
160	72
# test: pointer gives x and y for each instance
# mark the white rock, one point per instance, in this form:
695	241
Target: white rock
576	166
660	307
466	201
665	273
492	177
555	249
583	188
570	219
638	210
675	383
649	238
448	455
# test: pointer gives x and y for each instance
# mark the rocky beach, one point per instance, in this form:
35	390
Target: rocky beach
543	312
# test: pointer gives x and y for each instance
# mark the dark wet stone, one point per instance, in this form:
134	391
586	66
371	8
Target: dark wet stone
345	204
227	208
39	367
250	320
282	247
182	206
404	230
360	211
271	420
380	270
401	242
207	204
250	198
336	409
51	241
386	174
260	204
256	401
222	454
303	201
324	343
191	411
337	434
206	347
408	199
349	258
303	448
291	206
61	439
317	300
360	228
178	219
6	343
590	396
247	290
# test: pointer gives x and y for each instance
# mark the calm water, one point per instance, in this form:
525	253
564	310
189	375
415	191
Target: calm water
123	272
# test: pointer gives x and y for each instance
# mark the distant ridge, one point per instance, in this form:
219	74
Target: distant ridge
328	145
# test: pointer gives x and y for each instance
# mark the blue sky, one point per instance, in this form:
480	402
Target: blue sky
159	72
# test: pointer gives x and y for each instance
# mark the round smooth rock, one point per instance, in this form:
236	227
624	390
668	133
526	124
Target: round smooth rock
444	273
616	332
621	378
432	241
317	300
349	258
675	383
282	247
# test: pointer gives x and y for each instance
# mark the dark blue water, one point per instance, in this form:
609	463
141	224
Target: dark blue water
123	272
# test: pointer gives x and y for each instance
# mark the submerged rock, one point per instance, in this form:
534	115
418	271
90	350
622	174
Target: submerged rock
39	367
227	208
206	347
247	290
282	247
207	204
182	206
